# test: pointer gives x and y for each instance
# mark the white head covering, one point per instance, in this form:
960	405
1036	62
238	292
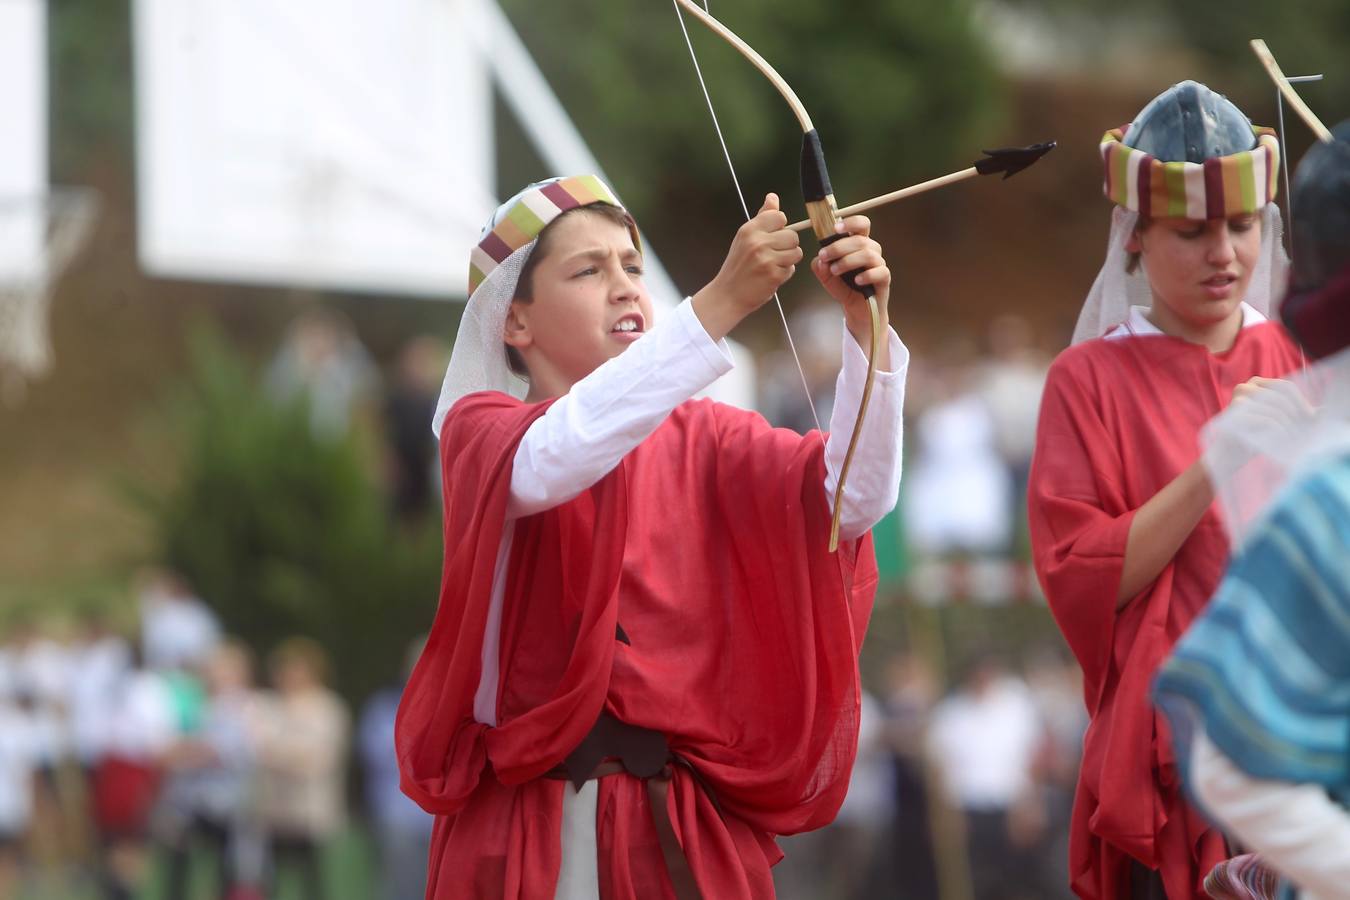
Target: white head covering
478	361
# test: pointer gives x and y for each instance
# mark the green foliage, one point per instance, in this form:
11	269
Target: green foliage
89	45
898	90
286	532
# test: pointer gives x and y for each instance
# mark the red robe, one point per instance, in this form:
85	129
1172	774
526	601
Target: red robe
1120	419
708	546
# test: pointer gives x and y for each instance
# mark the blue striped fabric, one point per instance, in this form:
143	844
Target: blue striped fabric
1266	669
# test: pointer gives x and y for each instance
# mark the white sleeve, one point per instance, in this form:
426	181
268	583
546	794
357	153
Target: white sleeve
874	477
587	431
1296	828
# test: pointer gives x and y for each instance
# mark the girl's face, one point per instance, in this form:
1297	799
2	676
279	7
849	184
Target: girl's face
1198	270
589	303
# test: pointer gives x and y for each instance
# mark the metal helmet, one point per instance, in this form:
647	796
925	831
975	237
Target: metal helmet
1190	123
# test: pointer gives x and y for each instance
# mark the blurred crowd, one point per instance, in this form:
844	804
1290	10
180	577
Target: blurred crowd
962	796
124	761
970	417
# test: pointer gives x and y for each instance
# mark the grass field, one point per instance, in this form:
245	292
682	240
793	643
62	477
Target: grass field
349	872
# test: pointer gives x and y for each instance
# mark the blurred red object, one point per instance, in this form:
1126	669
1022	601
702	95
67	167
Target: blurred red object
124	794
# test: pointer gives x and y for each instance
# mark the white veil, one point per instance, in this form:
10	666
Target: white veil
478	360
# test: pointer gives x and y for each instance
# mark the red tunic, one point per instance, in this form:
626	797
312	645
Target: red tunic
1120	419
708	545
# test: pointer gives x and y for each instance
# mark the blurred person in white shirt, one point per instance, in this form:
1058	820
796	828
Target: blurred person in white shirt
178	629
984	740
958	501
18	766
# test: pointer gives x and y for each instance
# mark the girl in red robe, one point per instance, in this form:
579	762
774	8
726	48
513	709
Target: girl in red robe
1125	542
644	662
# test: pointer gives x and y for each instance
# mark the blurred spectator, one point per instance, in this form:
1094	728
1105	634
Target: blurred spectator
100	661
1056	685
817	333
911	691
303	746
40	666
1010	384
984	739
18	766
409	405
957	497
144	723
208	796
322	358
402	828
178	630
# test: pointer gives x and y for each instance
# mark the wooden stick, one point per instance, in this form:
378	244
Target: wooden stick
1273	68
895	195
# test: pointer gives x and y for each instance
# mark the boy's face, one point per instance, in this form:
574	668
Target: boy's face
1199	269
589	304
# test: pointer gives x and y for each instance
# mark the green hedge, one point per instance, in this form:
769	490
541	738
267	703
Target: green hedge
285	532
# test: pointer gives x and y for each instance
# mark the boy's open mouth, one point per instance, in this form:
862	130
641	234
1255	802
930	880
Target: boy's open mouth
629	324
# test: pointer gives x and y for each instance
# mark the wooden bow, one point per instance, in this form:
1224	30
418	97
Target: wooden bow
822	212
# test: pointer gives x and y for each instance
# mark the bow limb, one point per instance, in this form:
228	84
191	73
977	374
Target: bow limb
755	59
823	214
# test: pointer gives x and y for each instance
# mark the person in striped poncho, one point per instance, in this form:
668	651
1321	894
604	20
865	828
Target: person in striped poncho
1258	692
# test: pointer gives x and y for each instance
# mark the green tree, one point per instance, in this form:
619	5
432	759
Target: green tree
898	90
286	532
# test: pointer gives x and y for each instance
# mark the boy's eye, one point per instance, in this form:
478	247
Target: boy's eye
589	270
635	269
1192	233
1243	224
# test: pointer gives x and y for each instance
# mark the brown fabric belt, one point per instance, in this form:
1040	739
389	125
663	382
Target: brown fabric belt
613	747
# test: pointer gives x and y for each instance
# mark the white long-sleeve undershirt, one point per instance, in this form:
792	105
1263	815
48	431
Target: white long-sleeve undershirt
607	414
1297	828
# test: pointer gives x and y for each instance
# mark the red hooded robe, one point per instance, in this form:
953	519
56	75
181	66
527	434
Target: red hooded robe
1120	419
707	545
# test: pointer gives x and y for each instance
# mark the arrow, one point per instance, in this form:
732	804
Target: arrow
1008	160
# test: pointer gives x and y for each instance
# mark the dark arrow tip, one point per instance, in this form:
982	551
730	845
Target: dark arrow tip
1011	160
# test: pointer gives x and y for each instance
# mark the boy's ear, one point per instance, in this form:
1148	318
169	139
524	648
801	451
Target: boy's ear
516	331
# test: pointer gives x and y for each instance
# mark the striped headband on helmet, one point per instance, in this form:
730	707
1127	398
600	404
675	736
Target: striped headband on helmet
1217	188
521	219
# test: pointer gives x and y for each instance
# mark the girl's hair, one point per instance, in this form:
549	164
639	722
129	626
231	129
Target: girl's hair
525	286
1132	263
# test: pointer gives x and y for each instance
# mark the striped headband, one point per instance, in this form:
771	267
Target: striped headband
1217	188
520	219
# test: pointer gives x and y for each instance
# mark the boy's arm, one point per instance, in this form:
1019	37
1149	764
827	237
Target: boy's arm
587	431
874	477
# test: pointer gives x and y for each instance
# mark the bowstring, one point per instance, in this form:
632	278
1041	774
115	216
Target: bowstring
745	208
